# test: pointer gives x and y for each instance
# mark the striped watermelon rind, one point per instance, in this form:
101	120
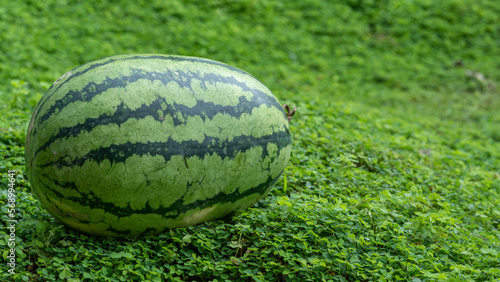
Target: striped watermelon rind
132	145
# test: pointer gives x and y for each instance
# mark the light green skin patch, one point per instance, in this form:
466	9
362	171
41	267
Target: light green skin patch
147	192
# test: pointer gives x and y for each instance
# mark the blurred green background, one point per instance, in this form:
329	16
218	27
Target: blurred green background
298	48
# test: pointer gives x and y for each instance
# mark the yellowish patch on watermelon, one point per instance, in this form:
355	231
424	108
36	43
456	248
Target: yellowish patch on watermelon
197	217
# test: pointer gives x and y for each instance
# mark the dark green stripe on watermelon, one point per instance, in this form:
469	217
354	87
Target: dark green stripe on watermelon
92	89
173	211
119	82
223	148
206	109
109	60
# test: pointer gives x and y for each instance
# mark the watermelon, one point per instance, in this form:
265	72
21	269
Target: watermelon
133	145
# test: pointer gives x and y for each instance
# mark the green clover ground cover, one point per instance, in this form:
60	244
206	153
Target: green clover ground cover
395	170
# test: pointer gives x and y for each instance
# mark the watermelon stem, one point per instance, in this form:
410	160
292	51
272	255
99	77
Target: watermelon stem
288	112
